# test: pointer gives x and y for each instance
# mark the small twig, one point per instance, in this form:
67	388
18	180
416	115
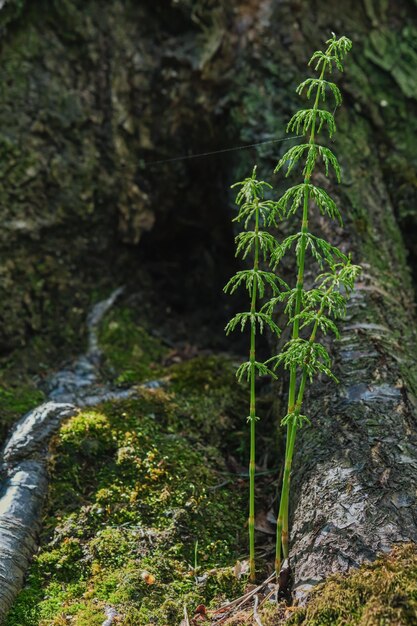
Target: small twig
111	613
255	611
187	621
239	602
220	485
270	594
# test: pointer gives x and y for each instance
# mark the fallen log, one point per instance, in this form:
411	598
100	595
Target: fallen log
23	488
354	474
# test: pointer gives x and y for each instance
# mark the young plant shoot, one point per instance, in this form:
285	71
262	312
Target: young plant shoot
254	211
310	311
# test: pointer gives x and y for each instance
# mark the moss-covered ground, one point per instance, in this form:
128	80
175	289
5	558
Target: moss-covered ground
382	593
145	517
18	390
142	515
131	354
15	401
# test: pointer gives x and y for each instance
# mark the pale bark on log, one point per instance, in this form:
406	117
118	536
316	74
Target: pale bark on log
355	473
24	484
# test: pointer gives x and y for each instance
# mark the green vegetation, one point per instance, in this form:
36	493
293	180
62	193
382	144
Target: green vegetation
15	401
135	485
377	594
136	513
254	211
131	354
382	593
309	311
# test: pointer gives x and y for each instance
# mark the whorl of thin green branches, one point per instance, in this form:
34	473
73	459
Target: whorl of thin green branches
255	213
311	313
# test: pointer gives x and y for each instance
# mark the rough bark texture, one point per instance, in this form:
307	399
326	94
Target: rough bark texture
98	92
354	474
22	493
101	94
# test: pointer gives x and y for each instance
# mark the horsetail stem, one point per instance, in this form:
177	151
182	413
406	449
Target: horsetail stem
282	529
304	358
252	408
306	120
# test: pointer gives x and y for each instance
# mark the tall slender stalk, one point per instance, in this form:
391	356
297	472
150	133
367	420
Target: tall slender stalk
253	209
252	409
282	532
305	358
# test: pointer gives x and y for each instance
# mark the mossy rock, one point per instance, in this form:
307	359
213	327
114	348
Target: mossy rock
131	354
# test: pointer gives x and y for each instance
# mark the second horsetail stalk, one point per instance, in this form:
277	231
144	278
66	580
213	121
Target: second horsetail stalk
255	212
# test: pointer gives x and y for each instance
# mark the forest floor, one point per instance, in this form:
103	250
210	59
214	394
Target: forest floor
145	522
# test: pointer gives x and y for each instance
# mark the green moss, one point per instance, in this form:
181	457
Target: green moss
132	355
382	593
207	386
207	373
135	490
377	594
15	401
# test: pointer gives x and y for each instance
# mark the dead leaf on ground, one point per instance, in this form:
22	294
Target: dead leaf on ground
241	568
148	578
263	523
180	354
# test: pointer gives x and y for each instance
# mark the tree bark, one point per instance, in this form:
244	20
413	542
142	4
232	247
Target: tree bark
23	488
354	474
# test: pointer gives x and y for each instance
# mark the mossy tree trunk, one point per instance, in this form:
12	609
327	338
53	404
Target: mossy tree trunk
353	478
354	493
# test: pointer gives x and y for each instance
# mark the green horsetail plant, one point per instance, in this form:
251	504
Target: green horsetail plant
309	311
254	211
